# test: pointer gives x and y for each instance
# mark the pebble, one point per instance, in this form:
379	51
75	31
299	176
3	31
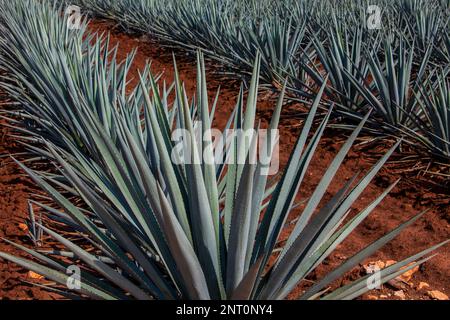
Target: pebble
437	295
34	275
400	294
422	285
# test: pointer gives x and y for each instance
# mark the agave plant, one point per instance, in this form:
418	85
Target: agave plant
394	81
425	24
18	58
294	40
151	226
278	45
434	116
343	59
232	32
443	51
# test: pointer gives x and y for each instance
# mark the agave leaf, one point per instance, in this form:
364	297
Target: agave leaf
318	253
347	265
244	290
360	287
270	226
261	176
205	238
56	276
62	267
183	253
323	186
239	234
208	167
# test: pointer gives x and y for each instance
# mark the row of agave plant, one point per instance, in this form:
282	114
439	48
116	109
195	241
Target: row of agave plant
140	225
399	70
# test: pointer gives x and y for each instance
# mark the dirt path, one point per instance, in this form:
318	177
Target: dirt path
405	201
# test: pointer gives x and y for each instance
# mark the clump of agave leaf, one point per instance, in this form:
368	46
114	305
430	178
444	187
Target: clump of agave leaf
434	118
443	51
226	28
282	31
342	57
406	97
391	91
47	93
230	31
179	241
153	228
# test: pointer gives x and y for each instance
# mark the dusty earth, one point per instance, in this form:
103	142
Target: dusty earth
409	198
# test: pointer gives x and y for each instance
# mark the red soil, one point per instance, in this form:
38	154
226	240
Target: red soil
409	197
15	190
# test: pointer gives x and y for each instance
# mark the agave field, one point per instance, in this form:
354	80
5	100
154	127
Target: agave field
107	210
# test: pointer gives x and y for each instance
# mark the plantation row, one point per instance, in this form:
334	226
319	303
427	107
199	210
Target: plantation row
398	67
141	226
